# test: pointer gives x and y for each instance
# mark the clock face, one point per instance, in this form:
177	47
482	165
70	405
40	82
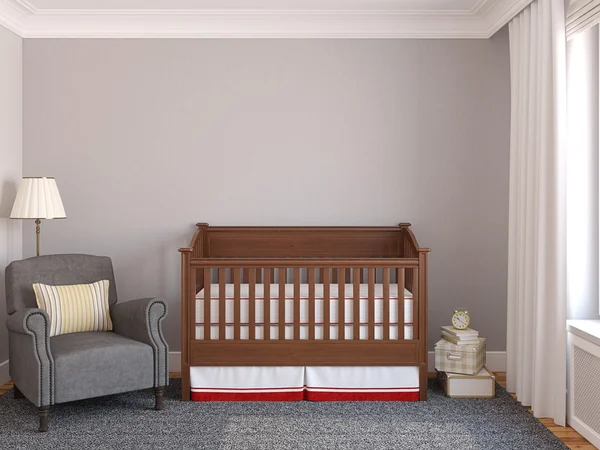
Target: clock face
460	320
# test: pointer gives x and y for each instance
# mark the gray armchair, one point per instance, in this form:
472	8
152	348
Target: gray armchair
49	370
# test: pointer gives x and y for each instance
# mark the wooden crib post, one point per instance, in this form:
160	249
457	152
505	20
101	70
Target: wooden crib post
416	293
191	282
422	283
185	328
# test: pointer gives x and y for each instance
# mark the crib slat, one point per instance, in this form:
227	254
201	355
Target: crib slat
311	303
401	305
297	304
281	307
207	282
341	304
415	293
362	275
267	305
222	318
356	304
326	310
236	303
386	304
252	304
371	304
272	272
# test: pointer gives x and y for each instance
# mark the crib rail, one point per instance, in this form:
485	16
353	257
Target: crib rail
322	263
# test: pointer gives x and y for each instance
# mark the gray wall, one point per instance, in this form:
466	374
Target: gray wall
148	137
10	163
582	180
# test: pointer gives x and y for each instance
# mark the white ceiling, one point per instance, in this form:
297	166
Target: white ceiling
258	18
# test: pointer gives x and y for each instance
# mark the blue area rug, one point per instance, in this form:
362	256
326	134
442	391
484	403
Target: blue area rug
128	421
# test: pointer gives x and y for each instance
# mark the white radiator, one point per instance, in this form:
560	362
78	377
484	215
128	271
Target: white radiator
584	378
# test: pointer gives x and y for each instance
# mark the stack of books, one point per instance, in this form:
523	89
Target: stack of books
460	337
460	364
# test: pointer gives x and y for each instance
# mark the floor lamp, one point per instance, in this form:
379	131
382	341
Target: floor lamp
38	198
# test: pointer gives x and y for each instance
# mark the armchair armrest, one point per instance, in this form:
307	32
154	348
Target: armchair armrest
27	322
141	320
31	361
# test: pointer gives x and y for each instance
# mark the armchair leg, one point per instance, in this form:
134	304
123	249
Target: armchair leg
43	413
17	393
159	395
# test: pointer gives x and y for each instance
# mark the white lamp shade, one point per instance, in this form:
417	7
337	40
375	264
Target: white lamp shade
38	198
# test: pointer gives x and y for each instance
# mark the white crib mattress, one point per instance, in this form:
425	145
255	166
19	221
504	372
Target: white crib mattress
304	301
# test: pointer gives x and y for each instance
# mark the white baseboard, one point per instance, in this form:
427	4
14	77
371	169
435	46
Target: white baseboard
4	375
495	361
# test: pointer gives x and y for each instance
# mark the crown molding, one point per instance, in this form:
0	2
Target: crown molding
502	12
475	19
11	17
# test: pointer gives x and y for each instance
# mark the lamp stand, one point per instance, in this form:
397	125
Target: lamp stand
37	235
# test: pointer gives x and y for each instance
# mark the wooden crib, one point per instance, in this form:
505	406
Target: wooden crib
228	324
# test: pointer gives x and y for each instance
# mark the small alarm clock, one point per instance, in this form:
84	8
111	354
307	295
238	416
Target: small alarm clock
461	319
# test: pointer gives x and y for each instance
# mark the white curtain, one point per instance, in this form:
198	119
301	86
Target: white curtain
536	347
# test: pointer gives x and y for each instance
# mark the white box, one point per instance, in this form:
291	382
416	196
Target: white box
480	385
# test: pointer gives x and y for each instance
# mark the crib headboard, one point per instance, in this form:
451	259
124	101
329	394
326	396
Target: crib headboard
303	242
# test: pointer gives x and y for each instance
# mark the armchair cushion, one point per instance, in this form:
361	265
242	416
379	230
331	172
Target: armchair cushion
31	361
140	320
92	364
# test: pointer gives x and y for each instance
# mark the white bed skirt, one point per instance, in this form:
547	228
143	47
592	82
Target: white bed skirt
316	383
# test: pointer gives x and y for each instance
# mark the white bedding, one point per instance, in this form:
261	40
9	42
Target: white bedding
304	301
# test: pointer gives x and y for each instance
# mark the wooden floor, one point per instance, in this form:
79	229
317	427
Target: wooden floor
568	435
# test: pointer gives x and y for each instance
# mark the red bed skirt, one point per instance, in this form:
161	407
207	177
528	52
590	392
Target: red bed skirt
316	396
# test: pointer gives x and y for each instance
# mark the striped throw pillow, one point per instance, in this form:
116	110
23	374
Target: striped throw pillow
74	308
